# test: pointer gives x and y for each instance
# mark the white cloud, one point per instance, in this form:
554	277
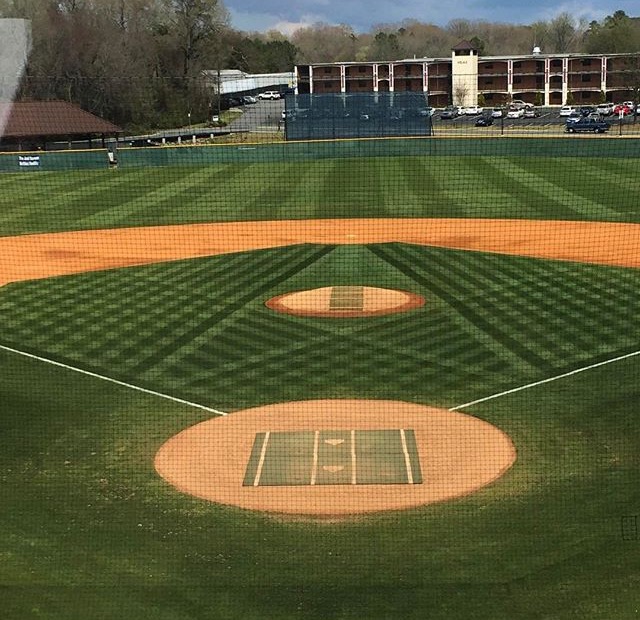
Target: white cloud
288	28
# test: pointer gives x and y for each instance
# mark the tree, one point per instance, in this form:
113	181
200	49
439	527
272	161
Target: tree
257	55
385	46
325	43
460	92
617	33
196	27
563	33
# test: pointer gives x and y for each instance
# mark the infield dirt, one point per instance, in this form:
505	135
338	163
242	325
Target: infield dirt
29	257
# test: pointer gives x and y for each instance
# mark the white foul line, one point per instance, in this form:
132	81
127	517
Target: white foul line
354	479
314	466
548	380
110	380
263	453
407	459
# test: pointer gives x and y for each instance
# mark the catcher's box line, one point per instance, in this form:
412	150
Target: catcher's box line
548	380
110	380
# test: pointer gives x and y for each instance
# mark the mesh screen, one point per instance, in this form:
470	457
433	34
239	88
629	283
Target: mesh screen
392	373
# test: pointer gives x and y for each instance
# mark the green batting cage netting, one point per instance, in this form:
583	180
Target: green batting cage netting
312	356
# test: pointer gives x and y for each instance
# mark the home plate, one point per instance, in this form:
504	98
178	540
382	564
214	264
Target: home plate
334	469
334	442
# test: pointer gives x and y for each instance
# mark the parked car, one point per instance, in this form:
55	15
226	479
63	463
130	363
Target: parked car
395	114
517	104
269	94
497	113
588	125
449	112
605	109
585	110
515	113
574	117
622	110
531	112
249	99
484	121
566	110
233	102
473	110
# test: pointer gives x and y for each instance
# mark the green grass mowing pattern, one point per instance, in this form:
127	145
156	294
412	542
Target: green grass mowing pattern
417	186
91	526
199	329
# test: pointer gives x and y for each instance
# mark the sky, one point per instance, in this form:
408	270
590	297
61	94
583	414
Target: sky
362	15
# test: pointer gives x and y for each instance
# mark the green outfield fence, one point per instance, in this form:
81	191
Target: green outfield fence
247	152
249	374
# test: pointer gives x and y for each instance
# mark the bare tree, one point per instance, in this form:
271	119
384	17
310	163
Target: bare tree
325	43
460	92
194	24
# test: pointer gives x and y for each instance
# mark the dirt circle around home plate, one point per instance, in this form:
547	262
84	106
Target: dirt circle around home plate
350	301
457	453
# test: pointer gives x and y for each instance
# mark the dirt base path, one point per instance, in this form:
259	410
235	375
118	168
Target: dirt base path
28	257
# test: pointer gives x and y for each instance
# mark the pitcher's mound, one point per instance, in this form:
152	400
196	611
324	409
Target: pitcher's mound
345	302
330	458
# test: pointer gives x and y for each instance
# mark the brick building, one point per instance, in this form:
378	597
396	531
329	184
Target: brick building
542	79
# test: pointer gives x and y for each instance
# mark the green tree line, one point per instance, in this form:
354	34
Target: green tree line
139	63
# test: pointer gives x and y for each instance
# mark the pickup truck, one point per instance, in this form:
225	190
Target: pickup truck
587	124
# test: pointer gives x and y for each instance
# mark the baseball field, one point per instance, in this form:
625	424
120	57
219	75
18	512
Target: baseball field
384	379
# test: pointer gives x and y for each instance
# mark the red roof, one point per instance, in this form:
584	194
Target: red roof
50	118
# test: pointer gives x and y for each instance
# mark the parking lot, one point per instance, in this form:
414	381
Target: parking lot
548	121
266	116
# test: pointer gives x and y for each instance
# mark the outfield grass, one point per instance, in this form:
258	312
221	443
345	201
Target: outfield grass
90	530
528	187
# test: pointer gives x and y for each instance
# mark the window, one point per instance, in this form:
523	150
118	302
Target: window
362	69
517	65
586	77
517	80
586	62
328	70
488	65
556	63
